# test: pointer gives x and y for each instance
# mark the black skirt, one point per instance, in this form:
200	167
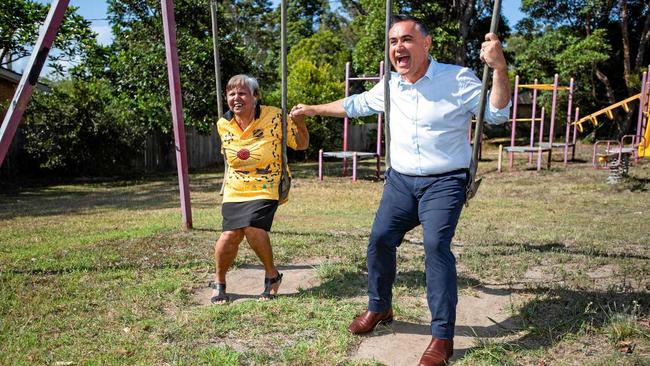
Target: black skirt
256	213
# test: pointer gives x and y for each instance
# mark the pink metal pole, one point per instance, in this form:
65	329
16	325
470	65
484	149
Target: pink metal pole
379	123
320	164
379	116
553	108
345	119
642	99
541	140
568	123
532	122
354	166
514	123
575	133
29	79
169	27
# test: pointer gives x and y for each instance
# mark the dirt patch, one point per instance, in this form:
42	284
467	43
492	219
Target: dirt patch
247	282
482	313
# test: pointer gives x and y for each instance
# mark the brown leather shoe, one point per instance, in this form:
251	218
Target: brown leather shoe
367	321
437	353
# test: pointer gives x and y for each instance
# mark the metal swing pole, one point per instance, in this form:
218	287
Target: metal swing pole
283	51
29	79
474	183
389	15
169	28
217	76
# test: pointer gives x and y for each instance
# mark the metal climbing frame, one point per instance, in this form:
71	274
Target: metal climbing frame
542	147
354	155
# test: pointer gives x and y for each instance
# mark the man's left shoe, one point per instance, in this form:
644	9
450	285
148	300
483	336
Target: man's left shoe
438	352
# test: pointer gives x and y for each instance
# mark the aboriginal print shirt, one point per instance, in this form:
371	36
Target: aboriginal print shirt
254	155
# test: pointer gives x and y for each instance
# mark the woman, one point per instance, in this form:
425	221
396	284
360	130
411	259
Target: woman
251	138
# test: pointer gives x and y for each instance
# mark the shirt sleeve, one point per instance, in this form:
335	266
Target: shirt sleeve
365	104
470	95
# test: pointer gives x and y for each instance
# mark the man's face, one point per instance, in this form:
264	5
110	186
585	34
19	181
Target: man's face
409	50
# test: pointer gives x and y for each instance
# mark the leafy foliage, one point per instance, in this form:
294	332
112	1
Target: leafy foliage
20	21
74	130
315	77
586	40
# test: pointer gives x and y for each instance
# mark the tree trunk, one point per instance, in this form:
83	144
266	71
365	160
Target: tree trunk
608	86
643	43
626	46
465	9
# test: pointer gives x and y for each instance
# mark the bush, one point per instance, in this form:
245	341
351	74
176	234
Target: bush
74	131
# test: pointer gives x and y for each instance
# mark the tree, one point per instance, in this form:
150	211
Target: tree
315	76
601	43
19	25
74	130
457	29
138	69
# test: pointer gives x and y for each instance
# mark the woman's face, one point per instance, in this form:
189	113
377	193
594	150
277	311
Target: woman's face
241	101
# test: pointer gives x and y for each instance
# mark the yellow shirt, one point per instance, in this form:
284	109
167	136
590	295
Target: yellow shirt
253	155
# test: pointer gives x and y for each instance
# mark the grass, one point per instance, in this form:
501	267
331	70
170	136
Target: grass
101	272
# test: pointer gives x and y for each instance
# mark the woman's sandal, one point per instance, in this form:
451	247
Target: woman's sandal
271	285
220	297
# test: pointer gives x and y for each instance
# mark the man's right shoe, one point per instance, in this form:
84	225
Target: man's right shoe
367	321
437	353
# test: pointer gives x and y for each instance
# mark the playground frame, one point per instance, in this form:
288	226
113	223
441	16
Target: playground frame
541	146
355	155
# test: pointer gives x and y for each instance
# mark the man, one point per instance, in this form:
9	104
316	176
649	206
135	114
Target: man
431	108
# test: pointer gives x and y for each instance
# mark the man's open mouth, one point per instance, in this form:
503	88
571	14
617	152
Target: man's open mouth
402	61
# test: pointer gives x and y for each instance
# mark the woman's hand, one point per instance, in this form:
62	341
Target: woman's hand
302	110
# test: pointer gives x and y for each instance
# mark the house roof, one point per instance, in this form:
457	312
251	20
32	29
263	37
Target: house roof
14	77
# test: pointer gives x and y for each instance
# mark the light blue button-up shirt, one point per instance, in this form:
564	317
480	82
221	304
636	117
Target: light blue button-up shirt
430	119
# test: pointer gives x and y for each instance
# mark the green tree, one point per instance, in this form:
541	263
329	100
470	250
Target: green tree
74	130
315	76
601	43
138	69
20	21
457	29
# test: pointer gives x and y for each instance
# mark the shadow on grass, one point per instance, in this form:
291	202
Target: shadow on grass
561	248
540	323
555	313
159	192
635	184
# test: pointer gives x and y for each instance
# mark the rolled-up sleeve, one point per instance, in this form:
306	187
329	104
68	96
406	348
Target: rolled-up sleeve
470	95
365	104
494	115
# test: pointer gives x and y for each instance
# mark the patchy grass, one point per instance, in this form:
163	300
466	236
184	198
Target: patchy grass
101	273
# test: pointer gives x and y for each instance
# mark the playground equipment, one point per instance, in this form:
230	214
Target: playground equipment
354	155
39	55
541	146
640	141
616	155
35	65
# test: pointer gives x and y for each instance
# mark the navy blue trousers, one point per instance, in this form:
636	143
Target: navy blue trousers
435	202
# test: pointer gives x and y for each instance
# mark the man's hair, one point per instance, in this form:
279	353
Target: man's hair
246	81
398	18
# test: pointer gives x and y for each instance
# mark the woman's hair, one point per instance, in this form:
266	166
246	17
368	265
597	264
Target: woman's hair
244	80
